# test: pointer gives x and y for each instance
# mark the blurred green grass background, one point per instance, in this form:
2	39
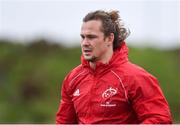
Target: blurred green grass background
31	76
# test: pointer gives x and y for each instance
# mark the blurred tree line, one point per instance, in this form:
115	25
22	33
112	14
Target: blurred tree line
31	76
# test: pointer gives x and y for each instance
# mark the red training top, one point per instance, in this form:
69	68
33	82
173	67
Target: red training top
118	92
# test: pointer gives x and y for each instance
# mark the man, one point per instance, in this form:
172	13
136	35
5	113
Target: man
107	88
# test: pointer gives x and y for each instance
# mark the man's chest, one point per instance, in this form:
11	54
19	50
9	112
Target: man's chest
99	95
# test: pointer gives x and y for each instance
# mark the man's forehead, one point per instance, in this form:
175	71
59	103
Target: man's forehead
91	26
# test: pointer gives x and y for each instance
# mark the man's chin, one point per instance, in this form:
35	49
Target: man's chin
90	59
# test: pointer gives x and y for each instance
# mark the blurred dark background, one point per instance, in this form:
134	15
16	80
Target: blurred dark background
31	76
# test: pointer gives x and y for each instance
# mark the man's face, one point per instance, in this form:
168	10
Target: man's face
93	44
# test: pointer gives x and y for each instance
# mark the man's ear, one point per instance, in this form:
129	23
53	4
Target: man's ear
110	39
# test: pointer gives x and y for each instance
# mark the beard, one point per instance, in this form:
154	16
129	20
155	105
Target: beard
90	59
88	54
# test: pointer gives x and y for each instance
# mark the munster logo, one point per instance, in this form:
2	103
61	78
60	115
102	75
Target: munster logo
108	93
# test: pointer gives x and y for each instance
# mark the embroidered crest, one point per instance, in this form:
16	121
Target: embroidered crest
109	92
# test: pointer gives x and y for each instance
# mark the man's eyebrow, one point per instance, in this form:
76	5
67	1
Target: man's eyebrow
88	35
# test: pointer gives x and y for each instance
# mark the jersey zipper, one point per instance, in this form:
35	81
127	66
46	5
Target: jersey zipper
91	96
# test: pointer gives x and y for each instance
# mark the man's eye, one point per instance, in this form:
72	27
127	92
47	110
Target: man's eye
92	37
82	37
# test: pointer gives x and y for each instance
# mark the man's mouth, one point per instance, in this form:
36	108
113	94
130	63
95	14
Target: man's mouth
87	51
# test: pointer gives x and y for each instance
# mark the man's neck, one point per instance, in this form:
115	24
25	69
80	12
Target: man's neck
105	60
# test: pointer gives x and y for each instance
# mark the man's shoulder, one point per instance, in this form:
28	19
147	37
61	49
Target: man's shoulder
74	72
131	69
138	73
135	76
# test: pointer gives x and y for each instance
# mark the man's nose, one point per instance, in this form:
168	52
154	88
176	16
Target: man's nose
85	41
